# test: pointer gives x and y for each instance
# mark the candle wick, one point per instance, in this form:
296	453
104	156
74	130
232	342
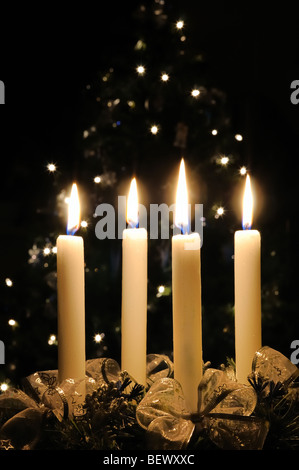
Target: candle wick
184	229
133	224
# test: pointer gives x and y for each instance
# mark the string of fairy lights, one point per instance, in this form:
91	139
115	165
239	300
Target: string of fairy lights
49	249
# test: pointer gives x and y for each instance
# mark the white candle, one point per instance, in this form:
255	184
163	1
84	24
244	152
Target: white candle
134	293
186	286
248	330
71	299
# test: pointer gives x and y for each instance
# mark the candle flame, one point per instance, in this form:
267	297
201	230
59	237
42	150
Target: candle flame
181	206
132	205
74	212
247	205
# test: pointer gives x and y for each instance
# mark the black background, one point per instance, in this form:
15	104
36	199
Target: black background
48	55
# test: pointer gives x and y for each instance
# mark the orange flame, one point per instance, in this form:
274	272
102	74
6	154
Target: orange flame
132	205
73	212
181	206
247	205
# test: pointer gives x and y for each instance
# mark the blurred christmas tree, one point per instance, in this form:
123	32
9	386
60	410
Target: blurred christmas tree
152	101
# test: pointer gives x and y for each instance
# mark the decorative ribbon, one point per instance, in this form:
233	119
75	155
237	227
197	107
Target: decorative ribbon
274	367
225	407
43	395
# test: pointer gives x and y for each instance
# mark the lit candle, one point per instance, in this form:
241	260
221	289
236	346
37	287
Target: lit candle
248	330
71	298
186	286
134	292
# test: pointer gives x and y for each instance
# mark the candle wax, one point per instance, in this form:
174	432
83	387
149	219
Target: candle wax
71	308
187	328
134	303
248	331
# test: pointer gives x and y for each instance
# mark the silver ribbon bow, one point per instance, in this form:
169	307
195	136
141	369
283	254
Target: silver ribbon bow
43	394
225	407
273	366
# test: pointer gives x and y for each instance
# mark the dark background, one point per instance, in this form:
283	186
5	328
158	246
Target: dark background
47	58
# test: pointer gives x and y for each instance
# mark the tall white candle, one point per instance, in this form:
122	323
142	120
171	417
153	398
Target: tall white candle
134	293
71	299
186	286
248	329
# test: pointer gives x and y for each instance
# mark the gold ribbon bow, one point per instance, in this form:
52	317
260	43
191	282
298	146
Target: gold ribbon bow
225	407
